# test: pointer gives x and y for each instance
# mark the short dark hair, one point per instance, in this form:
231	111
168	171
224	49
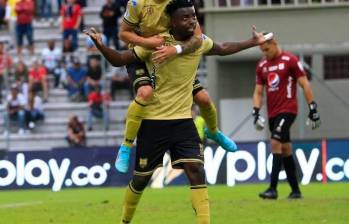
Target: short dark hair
177	4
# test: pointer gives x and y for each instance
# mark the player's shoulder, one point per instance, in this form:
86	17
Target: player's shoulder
288	56
136	3
261	63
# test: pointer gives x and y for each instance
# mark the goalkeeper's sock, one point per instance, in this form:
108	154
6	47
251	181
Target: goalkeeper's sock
210	116
199	197
134	117
274	177
290	168
132	197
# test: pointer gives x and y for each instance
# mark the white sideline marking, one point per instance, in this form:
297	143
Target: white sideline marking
21	204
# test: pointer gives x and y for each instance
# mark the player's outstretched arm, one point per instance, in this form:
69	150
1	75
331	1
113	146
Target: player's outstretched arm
229	48
116	58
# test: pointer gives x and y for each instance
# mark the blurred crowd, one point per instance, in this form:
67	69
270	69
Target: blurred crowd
28	73
25	81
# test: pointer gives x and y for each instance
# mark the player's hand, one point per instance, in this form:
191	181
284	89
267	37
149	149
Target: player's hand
313	117
95	36
258	37
153	42
258	121
163	53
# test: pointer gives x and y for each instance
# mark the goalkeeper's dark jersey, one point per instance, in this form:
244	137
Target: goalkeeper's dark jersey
279	76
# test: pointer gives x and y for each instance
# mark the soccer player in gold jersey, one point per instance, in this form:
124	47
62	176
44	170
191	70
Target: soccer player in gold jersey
144	20
168	123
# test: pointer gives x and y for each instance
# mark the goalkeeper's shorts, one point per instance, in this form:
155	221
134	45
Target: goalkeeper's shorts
280	126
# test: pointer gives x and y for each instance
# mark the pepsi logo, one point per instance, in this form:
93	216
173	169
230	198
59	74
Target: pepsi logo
273	80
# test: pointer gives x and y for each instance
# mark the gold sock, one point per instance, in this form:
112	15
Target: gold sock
199	197
134	117
210	116
129	206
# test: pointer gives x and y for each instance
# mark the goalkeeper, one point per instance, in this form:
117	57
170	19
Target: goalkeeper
280	72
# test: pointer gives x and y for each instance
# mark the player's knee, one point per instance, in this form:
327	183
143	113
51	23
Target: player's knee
145	93
140	182
276	146
195	173
202	98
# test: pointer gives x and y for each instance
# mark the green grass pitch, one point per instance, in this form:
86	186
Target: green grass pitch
240	204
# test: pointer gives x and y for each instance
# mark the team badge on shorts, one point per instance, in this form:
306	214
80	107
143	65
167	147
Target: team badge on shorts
143	163
140	72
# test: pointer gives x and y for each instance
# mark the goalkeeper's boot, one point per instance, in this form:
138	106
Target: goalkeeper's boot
123	159
295	195
269	194
221	139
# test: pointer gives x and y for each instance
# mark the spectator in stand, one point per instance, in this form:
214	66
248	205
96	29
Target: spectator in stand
33	110
76	77
94	75
15	110
25	11
71	14
120	80
45	9
76	132
110	14
98	107
12	21
60	74
38	79
82	4
5	12
51	57
21	76
5	65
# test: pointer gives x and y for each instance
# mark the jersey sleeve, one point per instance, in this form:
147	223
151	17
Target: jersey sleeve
141	53
207	44
133	12
297	68
259	79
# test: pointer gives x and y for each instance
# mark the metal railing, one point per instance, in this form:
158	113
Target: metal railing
272	3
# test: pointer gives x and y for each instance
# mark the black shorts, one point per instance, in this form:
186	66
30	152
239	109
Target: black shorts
197	87
155	137
280	125
140	76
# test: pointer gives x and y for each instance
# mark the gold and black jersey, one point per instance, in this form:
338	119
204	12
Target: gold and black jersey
173	81
148	17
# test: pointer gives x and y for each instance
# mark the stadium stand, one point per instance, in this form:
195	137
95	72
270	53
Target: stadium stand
52	131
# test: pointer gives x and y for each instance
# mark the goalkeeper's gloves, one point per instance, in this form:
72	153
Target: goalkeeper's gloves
258	121
313	117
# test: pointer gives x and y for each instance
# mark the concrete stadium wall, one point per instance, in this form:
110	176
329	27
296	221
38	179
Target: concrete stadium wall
313	31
